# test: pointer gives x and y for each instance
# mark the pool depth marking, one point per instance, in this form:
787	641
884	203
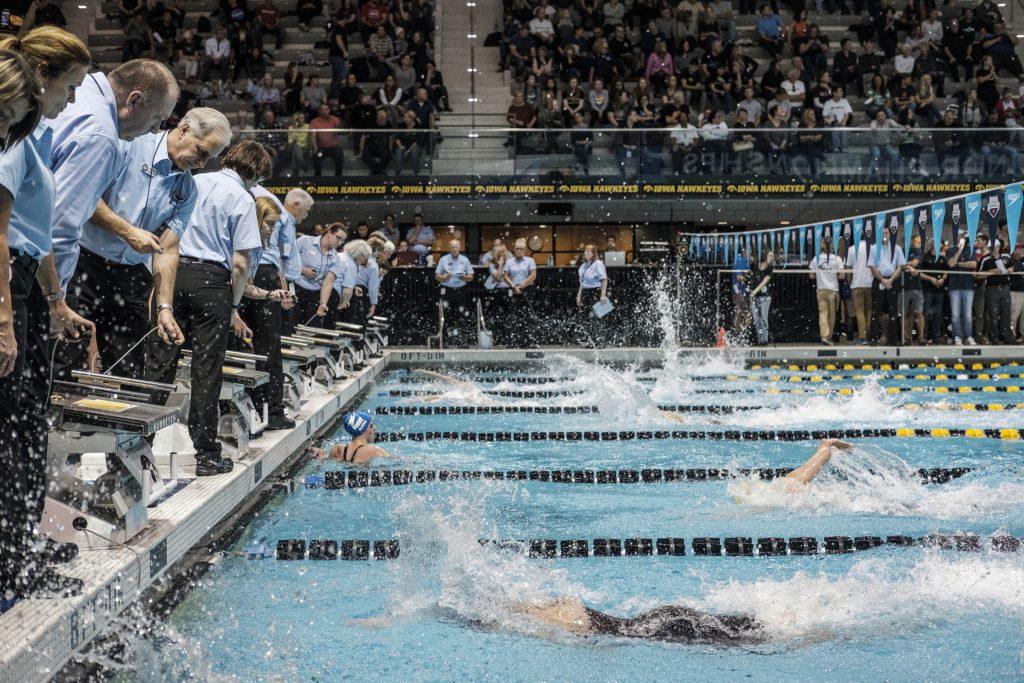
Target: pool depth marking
701	546
1006	434
361	478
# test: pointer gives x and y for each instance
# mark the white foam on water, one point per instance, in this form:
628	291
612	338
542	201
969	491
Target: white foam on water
869	404
877	598
871	480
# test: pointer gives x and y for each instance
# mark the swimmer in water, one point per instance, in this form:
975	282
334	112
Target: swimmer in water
456	383
361	448
797	480
669	623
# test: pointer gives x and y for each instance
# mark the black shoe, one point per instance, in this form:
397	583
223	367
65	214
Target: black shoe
277	422
48	583
212	466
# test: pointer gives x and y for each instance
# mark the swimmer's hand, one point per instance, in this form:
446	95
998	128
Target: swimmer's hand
318	453
837	443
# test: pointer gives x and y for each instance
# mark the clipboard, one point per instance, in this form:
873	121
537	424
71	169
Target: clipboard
603	308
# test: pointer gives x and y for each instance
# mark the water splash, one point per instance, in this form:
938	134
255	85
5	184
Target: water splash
870	480
877	598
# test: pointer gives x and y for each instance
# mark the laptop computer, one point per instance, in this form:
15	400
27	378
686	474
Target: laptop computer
614	258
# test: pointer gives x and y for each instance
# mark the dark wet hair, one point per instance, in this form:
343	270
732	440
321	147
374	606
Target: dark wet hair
677	624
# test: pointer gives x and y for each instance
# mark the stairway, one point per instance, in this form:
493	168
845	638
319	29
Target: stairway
480	99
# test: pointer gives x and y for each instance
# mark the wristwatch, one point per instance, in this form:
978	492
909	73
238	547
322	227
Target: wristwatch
163	307
54	297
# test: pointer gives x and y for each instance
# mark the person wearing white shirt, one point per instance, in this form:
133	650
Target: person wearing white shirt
685	141
904	63
860	288
826	267
836	113
217	56
541	27
887	285
453	273
795	91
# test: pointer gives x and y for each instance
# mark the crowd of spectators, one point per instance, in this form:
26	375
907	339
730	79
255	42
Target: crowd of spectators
382	74
688	67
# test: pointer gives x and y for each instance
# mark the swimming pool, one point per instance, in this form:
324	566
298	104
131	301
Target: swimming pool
898	613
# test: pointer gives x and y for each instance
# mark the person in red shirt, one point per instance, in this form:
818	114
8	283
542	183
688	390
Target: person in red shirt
326	140
371	15
268	20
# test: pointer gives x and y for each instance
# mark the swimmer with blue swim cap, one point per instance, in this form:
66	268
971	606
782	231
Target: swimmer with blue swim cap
361	448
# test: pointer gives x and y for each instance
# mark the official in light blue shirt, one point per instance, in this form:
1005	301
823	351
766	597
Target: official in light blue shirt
345	271
150	191
454	270
319	254
279	246
85	157
25	173
520	267
223	222
592	273
368	278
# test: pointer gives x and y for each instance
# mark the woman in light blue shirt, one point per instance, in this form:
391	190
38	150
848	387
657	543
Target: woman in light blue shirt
520	273
38	76
314	288
353	256
593	289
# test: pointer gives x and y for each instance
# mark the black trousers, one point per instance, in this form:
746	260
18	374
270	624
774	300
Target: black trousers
23	424
358	311
202	301
997	310
885	301
264	317
459	316
496	304
116	298
519	320
592	329
933	318
308	300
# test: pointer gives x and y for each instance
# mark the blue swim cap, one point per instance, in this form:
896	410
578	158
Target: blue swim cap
357	423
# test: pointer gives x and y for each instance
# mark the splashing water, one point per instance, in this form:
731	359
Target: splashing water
871	480
877	598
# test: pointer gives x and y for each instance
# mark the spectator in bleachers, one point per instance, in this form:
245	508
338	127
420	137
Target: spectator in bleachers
138	38
300	144
337	56
996	145
879	97
599	100
233	15
1001	46
955	49
292	93
217	57
837	113
375	148
884	139
521	115
685	143
313	94
363	113
949	141
265	95
405	74
408	149
188	51
389	230
326	141
307	11
380	50
434	82
794	90
426	117
769	30
777	140
373	15
582	143
268	22
846	68
165	31
420	238
348	97
986	77
271	137
389	98
810	141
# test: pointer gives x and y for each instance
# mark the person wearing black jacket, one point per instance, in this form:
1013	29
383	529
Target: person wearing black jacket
949	142
846	68
995	265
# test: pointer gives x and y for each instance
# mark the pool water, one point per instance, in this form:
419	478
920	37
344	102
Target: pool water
890	613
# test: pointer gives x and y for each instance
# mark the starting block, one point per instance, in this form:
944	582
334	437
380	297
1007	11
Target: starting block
350	354
104	415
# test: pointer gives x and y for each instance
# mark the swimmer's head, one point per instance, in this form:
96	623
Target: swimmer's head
358	423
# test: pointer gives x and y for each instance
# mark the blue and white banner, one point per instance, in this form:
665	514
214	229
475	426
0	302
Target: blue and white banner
973	204
879	228
991	209
869	238
938	219
803	243
908	229
956	219
1013	197
894	228
817	241
858	228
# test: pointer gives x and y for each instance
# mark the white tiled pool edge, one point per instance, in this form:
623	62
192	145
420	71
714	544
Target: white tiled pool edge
39	637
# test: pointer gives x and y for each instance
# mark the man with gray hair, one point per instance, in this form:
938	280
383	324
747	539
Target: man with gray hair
279	263
87	154
129	246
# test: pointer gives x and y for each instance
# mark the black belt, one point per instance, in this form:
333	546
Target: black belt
200	261
25	262
105	261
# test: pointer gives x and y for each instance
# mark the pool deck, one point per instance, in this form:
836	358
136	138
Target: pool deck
39	637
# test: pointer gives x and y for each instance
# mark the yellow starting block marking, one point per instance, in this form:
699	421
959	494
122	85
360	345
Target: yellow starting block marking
103	404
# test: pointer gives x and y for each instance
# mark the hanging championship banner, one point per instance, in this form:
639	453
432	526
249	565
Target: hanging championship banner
894	228
785	245
772	233
992	208
922	222
803	243
973	204
868	238
847	235
817	241
858	228
728	250
746	246
759	236
879	227
938	218
1013	200
810	245
956	217
837	230
908	229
